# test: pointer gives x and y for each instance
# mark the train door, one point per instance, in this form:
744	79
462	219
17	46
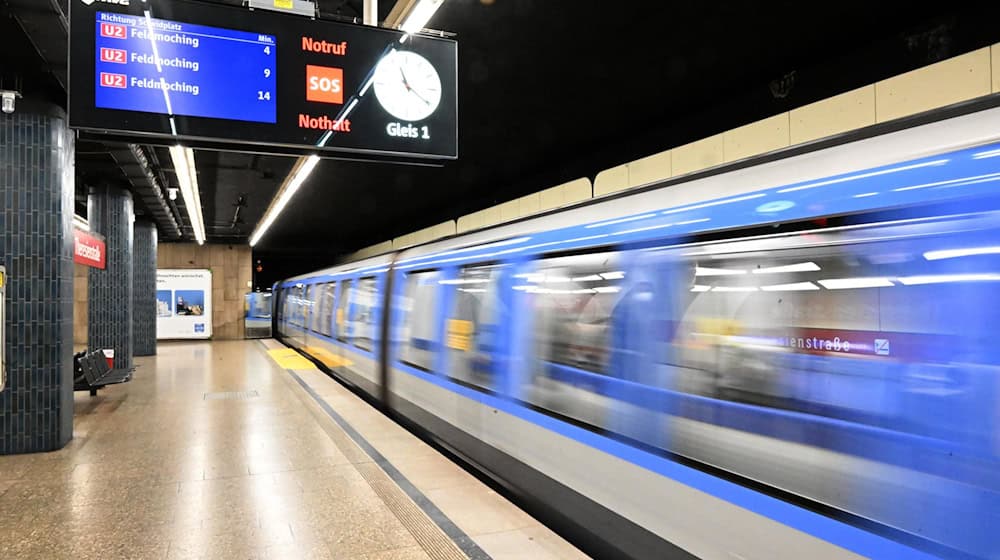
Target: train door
307	314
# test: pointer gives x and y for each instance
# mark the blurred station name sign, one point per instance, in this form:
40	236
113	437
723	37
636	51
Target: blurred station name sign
89	249
264	80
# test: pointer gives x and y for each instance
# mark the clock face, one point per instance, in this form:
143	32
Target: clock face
407	85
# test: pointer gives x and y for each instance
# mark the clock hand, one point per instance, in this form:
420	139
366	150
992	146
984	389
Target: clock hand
405	82
420	97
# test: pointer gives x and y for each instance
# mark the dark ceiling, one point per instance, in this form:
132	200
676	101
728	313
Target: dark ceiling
550	91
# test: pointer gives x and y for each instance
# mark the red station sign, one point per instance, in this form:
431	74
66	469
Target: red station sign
88	249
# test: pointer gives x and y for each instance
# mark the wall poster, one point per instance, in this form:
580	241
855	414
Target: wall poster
183	303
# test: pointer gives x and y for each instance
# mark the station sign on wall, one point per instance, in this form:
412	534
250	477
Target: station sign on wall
178	69
89	249
183	303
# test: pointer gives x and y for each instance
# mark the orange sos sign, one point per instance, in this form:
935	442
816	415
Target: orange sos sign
324	84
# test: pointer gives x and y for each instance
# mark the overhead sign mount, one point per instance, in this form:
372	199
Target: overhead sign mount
300	7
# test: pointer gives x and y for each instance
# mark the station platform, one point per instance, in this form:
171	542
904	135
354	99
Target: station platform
241	450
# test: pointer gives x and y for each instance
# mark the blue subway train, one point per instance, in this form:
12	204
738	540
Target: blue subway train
792	357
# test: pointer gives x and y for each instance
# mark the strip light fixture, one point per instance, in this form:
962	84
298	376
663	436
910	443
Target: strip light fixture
304	167
80	223
187	176
419	14
964	252
852	283
798	267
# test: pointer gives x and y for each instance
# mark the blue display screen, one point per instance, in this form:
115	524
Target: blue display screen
161	66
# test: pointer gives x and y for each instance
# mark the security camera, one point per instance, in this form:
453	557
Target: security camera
9	98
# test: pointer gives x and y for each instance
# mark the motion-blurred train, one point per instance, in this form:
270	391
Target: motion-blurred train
790	357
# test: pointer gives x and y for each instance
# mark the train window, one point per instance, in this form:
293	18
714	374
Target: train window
362	316
826	330
343	327
472	329
325	314
296	306
574	297
420	323
307	306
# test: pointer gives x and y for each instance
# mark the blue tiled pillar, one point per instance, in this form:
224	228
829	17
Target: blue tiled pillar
109	291
36	247
144	284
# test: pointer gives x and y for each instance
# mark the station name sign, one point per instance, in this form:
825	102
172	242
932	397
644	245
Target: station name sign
89	249
177	70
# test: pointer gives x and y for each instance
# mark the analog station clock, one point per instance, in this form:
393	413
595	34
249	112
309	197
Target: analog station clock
407	85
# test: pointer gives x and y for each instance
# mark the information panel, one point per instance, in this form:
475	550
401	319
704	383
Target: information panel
160	66
185	70
183	303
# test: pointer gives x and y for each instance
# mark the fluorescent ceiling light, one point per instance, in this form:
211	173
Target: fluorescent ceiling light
505	242
607	289
986	154
472	290
796	287
291	186
698	288
961	182
542	278
705	271
933	163
80	223
591	278
713	203
613	275
966	252
800	267
734	289
466	281
945	278
419	15
621	220
849	283
187	176
865	195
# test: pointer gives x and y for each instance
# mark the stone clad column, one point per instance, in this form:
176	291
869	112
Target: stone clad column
36	247
109	291
144	286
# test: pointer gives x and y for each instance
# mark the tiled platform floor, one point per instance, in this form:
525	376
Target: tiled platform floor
157	470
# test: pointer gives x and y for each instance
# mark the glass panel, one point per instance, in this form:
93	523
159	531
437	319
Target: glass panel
343	327
326	308
471	329
362	317
574	299
419	326
307	306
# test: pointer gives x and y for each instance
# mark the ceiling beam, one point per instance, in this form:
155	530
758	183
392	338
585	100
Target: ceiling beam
47	28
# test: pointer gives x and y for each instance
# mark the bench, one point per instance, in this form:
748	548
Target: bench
91	371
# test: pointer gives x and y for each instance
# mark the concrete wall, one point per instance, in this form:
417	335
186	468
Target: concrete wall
231	275
79	305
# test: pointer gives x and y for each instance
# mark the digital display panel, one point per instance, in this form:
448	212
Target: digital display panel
167	67
182	70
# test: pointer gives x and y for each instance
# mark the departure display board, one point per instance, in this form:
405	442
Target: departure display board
183	70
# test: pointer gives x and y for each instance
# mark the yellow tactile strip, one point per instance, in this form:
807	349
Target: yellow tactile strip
288	358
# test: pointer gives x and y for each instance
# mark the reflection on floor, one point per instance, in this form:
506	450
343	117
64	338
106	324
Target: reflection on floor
215	452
